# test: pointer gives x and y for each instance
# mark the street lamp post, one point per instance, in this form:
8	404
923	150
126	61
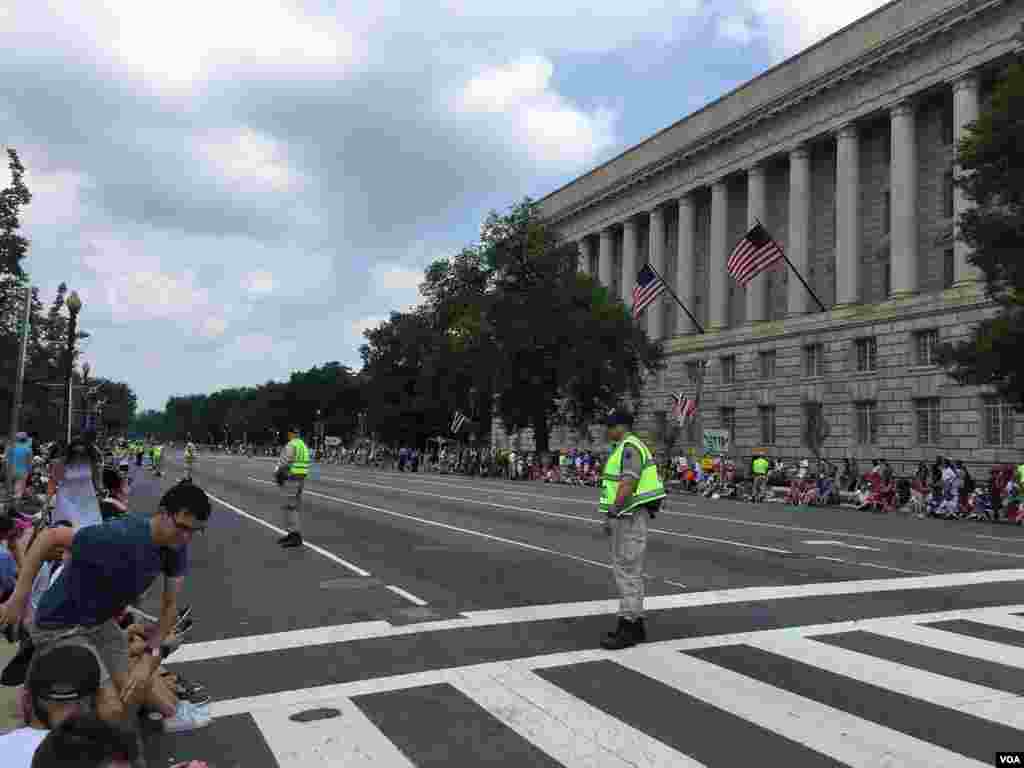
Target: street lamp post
74	304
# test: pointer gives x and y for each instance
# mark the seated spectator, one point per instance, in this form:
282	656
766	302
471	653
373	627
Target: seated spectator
85	741
64	683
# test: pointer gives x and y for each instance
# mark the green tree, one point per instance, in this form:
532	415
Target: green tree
992	156
565	349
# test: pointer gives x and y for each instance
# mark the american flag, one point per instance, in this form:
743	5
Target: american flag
648	287
754	254
457	421
683	408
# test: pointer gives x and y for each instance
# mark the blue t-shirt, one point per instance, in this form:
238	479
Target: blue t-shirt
8	572
111	566
20	454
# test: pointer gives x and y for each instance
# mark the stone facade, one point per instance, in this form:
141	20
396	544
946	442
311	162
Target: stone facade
845	154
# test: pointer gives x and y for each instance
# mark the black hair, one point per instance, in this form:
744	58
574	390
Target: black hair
85	741
112	480
187	496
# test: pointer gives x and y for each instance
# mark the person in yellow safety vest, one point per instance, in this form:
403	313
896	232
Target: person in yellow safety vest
630	491
760	469
294	457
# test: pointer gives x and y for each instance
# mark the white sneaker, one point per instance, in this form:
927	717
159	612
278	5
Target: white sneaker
188	717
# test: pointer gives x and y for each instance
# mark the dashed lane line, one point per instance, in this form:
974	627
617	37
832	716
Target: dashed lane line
319	550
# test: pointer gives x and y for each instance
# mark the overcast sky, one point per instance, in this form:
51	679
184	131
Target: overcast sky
238	189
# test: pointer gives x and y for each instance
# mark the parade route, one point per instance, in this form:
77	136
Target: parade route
441	620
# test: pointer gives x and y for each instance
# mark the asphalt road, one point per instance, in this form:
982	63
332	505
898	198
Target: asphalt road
442	620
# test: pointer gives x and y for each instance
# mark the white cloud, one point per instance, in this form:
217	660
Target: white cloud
214	327
519	97
398	285
790	26
181	42
259	282
249	157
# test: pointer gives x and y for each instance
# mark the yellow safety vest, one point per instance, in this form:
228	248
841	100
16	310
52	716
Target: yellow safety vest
300	466
760	466
650	487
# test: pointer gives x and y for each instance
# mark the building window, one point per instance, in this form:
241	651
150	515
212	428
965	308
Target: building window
729	369
887	213
927	411
867	422
728	417
767	413
999	423
947	126
947	195
947	268
768	365
814	360
925	343
887	276
867	354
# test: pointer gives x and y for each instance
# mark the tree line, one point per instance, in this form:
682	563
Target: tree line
43	404
508	327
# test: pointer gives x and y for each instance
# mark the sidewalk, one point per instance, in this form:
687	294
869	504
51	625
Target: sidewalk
8	696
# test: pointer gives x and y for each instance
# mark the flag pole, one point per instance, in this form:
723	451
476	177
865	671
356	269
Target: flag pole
664	282
796	272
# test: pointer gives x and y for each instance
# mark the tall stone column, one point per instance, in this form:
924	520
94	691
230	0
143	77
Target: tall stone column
656	237
799	236
586	247
848	236
718	293
903	194
629	254
604	258
966	106
757	288
686	263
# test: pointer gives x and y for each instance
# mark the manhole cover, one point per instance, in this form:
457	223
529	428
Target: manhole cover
352	582
311	715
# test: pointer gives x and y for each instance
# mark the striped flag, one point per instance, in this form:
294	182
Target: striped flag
689	410
458	420
648	287
678	406
754	254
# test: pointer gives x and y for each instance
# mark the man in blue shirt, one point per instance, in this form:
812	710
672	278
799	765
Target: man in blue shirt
111	565
19	461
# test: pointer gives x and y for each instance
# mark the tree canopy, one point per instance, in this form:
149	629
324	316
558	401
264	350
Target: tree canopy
991	156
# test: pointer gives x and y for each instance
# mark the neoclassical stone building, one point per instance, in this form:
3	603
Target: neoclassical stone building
845	153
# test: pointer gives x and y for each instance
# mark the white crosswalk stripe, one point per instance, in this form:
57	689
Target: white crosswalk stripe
576	733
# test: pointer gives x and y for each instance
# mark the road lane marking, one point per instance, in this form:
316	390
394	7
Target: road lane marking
407	595
901	626
760	524
435	523
589	520
330	635
319	550
835	543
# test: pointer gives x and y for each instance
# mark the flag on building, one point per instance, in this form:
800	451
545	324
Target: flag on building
689	410
458	420
649	286
678	406
754	254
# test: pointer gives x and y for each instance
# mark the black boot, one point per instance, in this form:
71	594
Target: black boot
293	539
626	635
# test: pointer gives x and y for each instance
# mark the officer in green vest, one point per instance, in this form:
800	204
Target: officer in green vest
630	491
294	461
760	469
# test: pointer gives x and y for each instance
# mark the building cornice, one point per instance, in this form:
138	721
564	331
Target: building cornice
877	56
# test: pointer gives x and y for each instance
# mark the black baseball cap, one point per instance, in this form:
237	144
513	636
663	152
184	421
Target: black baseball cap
619	417
64	673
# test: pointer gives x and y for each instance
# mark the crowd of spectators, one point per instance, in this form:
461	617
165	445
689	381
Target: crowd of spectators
74	572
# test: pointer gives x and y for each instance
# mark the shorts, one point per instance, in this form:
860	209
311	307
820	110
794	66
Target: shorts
107	641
